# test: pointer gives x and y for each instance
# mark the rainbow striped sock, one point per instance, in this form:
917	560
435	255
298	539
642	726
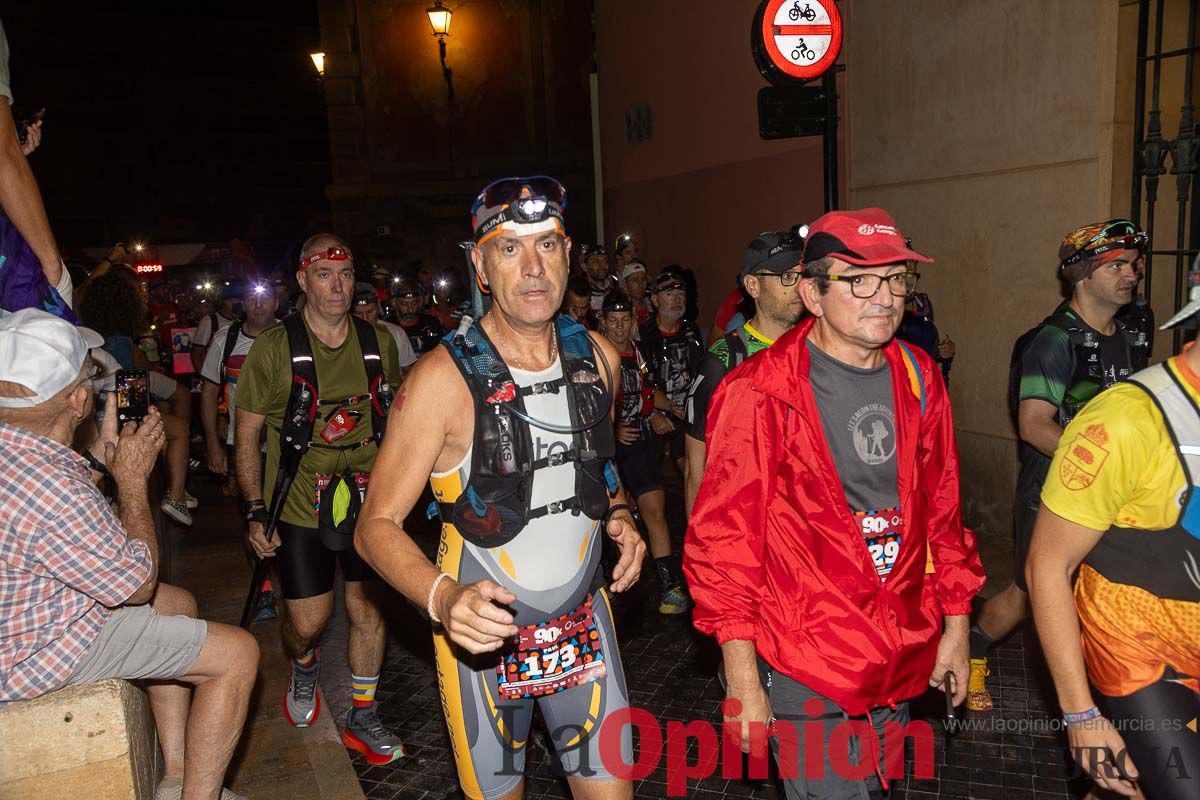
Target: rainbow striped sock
364	690
306	661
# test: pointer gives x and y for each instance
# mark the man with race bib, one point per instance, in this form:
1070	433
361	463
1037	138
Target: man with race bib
509	420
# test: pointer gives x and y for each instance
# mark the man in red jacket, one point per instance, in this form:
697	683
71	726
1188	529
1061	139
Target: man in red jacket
826	551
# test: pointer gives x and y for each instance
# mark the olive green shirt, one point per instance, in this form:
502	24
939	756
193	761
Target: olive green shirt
263	388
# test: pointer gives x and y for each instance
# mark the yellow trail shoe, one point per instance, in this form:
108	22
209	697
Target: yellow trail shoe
978	698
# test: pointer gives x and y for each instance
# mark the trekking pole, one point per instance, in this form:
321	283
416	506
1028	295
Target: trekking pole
260	564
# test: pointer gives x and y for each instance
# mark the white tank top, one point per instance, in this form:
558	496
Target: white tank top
553	549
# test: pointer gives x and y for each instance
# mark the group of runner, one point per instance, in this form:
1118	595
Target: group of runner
825	550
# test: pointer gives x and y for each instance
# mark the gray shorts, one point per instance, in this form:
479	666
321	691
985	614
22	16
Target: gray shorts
139	643
788	699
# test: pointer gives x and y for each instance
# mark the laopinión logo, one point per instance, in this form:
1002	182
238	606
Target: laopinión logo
721	749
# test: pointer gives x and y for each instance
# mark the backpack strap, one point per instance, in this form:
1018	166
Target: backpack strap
915	380
231	337
736	348
381	396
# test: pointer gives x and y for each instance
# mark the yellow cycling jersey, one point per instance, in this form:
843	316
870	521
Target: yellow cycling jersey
1118	470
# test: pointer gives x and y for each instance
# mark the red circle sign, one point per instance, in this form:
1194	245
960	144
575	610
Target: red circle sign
802	37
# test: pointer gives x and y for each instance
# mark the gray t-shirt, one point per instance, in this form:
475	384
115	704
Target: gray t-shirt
857	416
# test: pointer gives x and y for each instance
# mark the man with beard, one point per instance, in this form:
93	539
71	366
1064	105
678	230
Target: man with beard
826	552
771	271
674	347
1074	354
595	266
508	421
424	330
643	415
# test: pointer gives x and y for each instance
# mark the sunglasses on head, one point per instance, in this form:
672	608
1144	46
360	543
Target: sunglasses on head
506	190
336	253
1131	239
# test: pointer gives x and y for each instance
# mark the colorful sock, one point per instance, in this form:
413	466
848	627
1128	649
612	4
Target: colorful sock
266	585
981	643
306	661
364	690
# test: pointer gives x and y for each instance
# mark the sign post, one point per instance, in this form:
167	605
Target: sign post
795	42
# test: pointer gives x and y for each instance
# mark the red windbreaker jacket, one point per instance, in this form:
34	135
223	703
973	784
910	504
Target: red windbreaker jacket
773	553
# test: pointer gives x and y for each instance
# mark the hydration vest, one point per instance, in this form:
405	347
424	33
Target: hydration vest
304	401
1085	355
736	349
494	506
1163	562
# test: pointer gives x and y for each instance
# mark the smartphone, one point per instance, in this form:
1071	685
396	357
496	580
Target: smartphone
133	396
23	124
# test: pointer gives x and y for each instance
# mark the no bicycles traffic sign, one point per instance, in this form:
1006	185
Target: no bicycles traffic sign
800	38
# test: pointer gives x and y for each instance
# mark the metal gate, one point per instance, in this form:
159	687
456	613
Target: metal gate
1151	151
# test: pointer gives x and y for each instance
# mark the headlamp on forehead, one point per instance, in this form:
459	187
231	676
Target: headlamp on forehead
525	205
673	286
335	253
407	294
259	289
1120	235
617	305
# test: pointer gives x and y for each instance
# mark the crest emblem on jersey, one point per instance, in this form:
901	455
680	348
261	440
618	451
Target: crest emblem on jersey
1084	458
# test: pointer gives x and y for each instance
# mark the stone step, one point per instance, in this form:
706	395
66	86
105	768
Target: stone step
95	741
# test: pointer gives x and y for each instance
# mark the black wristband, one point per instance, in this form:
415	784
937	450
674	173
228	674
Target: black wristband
250	505
258	515
608	515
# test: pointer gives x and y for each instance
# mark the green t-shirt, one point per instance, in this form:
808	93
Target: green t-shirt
263	387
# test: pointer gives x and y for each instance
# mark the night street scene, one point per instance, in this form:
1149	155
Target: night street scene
600	399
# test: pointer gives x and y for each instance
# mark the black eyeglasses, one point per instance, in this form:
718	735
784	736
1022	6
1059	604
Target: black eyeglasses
785	278
864	287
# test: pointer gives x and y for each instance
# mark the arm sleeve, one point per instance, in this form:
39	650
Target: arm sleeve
84	546
723	552
210	370
700	396
263	383
958	572
1101	456
1046	366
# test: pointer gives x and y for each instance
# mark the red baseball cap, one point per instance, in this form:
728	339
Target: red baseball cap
867	237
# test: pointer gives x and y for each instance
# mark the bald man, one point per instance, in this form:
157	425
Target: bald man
349	369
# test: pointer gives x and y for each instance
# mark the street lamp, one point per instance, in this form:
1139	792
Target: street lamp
318	60
439	20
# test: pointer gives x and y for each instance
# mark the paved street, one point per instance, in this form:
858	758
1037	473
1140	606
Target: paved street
1010	753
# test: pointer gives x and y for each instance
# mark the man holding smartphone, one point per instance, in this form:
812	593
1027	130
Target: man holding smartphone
81	601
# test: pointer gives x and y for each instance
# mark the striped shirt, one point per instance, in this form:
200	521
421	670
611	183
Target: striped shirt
64	562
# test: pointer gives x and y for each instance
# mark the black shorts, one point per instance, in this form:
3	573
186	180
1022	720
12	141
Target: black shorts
306	566
676	448
1154	723
640	465
1023	519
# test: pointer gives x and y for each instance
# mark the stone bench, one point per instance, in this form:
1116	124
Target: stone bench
95	741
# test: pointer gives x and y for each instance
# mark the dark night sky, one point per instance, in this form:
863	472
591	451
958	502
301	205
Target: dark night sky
174	122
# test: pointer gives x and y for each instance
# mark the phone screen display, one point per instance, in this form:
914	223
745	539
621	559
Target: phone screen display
133	395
